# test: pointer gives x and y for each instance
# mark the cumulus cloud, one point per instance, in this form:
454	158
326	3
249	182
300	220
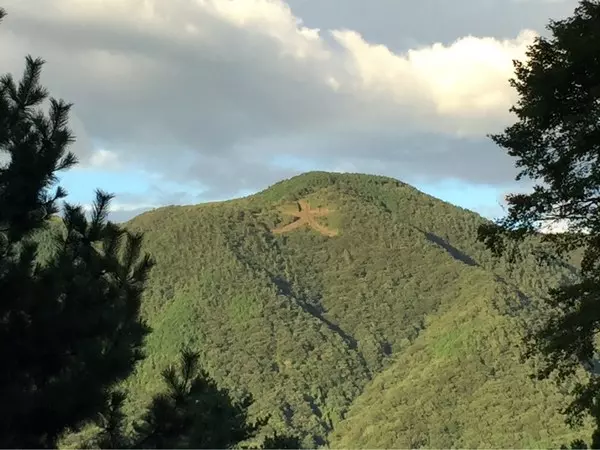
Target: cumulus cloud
214	91
461	87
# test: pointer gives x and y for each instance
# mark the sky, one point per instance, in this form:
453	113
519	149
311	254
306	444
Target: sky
185	101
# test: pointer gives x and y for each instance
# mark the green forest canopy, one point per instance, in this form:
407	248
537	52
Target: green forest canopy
400	330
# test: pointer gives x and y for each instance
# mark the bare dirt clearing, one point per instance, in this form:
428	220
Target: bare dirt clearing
306	217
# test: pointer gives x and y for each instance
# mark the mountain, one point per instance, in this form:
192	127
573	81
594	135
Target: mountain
358	312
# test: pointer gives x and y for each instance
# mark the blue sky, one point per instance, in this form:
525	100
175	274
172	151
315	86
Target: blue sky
182	102
81	184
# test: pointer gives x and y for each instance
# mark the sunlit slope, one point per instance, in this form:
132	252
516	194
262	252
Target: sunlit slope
460	384
306	292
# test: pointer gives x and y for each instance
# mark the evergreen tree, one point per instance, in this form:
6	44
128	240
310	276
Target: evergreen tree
556	143
192	413
69	325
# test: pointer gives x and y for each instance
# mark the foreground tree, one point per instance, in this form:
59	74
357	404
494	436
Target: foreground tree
69	322
192	413
70	328
556	143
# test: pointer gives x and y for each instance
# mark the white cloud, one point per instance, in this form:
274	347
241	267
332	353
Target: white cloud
122	212
116	207
104	159
214	90
466	81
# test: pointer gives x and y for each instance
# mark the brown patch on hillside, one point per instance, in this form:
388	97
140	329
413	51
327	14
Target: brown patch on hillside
306	217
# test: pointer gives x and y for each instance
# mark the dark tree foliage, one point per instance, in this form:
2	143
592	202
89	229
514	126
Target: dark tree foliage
70	326
556	143
281	442
575	445
192	413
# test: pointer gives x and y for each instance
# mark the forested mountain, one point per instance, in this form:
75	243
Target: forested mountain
357	311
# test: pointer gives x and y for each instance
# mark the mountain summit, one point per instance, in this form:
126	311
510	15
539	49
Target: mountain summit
356	310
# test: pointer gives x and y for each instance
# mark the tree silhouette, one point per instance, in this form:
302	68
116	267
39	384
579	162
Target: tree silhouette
69	325
556	143
192	413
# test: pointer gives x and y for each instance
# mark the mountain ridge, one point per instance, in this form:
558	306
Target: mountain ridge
309	323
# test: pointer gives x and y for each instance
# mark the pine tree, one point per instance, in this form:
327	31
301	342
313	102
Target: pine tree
69	325
192	413
556	143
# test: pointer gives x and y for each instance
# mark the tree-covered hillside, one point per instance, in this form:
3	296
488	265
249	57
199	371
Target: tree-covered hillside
378	321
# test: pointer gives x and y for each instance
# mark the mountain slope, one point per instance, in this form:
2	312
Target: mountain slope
459	385
327	285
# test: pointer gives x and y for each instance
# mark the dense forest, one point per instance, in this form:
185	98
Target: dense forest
398	331
327	311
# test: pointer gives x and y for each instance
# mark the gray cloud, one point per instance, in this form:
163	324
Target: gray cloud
405	25
474	159
219	95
